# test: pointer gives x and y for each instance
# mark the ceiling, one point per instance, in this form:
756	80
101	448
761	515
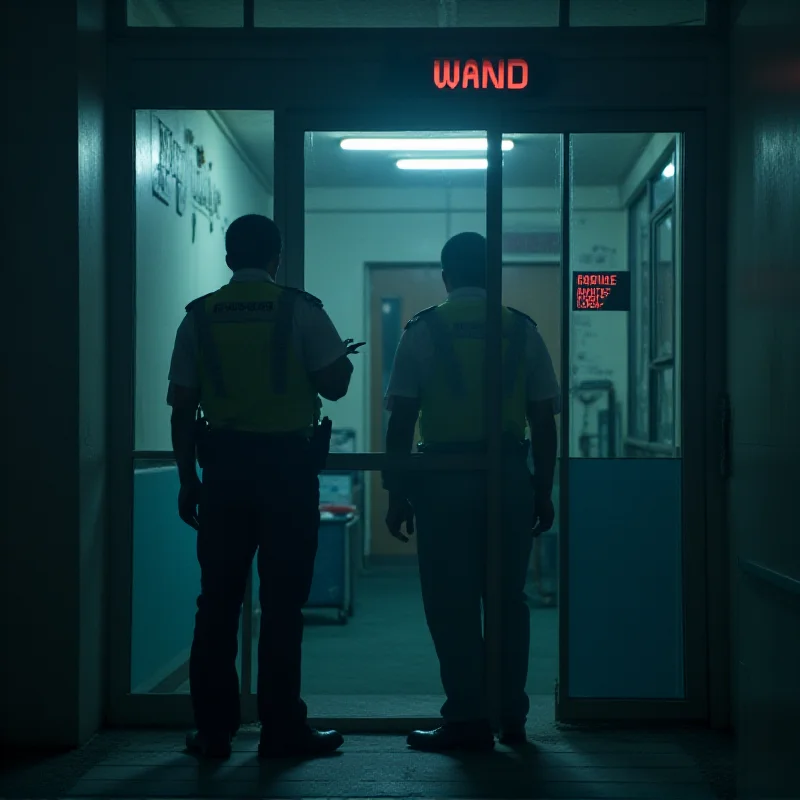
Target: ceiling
413	13
601	159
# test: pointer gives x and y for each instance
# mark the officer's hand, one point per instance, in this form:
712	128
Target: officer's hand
400	512
188	500
543	515
352	349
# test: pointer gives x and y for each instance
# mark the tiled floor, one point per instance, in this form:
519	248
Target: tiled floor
560	763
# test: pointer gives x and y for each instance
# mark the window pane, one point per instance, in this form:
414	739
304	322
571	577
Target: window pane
532	283
185	13
636	12
196	171
166	582
664	185
665	406
405	14
623	511
640	320
367	648
664	289
374	234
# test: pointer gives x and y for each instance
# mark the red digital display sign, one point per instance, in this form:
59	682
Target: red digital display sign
601	291
453	73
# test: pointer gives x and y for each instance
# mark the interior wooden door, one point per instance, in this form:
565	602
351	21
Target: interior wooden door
533	289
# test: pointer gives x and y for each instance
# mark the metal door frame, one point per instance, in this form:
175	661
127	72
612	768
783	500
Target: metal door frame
700	321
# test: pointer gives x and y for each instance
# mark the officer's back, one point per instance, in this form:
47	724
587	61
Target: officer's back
254	357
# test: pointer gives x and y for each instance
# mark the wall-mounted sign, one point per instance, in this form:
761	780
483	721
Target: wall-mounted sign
453	73
601	291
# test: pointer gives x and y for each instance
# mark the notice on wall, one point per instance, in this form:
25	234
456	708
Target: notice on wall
601	291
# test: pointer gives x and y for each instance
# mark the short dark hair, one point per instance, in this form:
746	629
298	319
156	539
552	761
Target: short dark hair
464	260
252	240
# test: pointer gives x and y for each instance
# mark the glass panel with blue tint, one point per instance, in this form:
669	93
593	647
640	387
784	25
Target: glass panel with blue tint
625	537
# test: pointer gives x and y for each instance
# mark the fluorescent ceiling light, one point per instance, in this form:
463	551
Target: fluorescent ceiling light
422	145
442	163
669	170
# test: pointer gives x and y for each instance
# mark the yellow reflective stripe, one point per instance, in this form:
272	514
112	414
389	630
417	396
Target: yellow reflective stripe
208	349
445	353
281	339
514	355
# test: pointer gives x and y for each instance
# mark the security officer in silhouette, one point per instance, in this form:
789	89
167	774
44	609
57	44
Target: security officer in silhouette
438	381
253	358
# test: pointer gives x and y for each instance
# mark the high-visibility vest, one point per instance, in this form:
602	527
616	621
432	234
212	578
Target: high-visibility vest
251	378
452	404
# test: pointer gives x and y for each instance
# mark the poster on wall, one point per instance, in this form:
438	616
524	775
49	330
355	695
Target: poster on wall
180	196
161	149
169	165
206	196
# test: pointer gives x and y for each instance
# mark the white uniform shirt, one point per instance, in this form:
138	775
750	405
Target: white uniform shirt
414	362
314	338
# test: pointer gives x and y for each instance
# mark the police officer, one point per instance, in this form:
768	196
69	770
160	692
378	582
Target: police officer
253	357
438	381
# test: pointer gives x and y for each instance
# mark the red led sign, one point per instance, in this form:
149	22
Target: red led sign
449	73
601	291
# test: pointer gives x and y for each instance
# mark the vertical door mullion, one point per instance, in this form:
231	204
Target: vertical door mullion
290	197
494	429
562	691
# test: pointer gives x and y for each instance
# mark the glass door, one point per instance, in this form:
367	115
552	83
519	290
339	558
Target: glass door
595	229
369	204
630	535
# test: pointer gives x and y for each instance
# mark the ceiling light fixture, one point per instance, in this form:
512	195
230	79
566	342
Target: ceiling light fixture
379	145
442	163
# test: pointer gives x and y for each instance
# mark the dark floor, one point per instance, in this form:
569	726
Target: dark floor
382	662
560	763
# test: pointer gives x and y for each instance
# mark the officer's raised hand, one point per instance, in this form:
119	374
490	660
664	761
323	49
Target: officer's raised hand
400	513
188	500
543	514
353	347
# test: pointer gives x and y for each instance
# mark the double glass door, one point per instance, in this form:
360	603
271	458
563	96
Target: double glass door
594	228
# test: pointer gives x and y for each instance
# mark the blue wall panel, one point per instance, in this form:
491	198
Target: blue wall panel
166	577
625	578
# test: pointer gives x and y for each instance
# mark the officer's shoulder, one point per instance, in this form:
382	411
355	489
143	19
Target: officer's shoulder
305	296
523	315
197	301
420	315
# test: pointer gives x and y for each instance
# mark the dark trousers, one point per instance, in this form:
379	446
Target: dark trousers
451	518
276	514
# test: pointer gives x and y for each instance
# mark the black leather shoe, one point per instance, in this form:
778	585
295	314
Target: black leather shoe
453	736
208	745
308	743
513	734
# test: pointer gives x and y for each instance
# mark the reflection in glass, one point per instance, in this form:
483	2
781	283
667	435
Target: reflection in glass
664	185
665	407
373	237
640	317
664	287
652	327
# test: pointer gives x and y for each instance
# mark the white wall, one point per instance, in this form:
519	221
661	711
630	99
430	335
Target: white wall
347	228
172	269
